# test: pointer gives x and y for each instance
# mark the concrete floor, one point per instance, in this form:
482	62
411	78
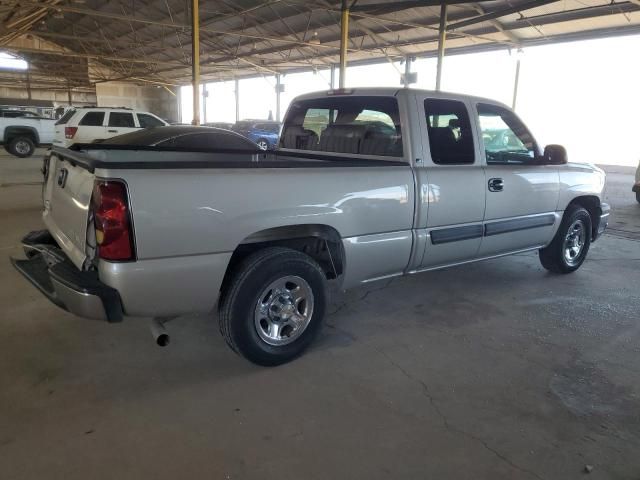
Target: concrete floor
497	370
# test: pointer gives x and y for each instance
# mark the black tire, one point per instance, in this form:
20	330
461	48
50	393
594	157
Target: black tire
239	321
553	257
638	197
22	147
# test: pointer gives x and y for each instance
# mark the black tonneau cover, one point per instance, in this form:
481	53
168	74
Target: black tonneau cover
124	157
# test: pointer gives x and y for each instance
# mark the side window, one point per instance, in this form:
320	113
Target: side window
344	124
506	139
449	130
121	119
92	119
147	121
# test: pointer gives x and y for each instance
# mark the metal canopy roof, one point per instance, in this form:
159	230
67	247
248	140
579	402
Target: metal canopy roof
84	41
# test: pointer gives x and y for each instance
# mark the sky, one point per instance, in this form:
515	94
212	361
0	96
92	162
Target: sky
583	95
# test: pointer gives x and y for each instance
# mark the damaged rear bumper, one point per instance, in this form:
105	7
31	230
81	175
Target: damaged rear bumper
79	292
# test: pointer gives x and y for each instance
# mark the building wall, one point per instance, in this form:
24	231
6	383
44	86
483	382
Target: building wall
58	97
148	98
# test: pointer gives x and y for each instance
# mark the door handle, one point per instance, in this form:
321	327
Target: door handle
496	185
112	131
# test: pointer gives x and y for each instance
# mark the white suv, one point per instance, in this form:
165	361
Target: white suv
88	124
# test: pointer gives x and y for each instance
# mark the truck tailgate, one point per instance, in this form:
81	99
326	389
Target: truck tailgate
67	197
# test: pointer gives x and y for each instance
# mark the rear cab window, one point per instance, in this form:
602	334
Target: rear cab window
66	117
355	125
92	119
449	130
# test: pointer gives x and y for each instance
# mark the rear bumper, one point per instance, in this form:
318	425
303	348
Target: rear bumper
79	292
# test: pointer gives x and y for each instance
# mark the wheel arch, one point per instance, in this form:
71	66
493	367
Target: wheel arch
591	203
321	242
17	131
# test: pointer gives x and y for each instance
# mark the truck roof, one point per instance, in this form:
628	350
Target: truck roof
394	91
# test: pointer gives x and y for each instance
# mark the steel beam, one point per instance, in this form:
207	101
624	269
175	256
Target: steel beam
108	58
442	38
169	25
500	13
195	59
344	40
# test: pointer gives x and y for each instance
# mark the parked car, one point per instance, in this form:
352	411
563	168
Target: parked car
23	131
151	232
636	186
88	124
265	133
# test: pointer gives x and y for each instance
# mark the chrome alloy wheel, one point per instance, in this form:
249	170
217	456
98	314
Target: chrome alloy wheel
574	242
22	147
284	310
263	145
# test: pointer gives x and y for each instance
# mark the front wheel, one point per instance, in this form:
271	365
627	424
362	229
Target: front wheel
274	306
569	248
262	144
22	147
638	196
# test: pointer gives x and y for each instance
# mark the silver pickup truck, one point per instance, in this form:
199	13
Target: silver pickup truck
366	184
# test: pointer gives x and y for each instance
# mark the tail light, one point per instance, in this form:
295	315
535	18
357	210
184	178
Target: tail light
114	236
70	132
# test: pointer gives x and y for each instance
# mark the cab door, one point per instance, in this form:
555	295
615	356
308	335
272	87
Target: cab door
451	183
522	194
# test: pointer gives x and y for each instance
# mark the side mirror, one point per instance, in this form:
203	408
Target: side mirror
555	155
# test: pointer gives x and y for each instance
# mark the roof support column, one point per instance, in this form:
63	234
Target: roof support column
332	80
205	94
406	79
442	38
278	91
195	59
516	81
344	40
237	92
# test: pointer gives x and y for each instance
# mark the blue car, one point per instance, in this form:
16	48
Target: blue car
265	133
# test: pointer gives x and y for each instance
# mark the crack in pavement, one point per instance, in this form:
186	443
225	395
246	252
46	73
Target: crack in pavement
445	421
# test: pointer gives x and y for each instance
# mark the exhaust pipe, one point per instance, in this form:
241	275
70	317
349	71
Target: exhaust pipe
160	334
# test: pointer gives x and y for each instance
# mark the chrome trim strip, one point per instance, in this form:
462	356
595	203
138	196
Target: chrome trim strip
439	267
521	223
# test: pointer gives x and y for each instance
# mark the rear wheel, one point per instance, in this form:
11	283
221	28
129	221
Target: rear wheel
569	248
21	147
262	144
638	196
274	306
